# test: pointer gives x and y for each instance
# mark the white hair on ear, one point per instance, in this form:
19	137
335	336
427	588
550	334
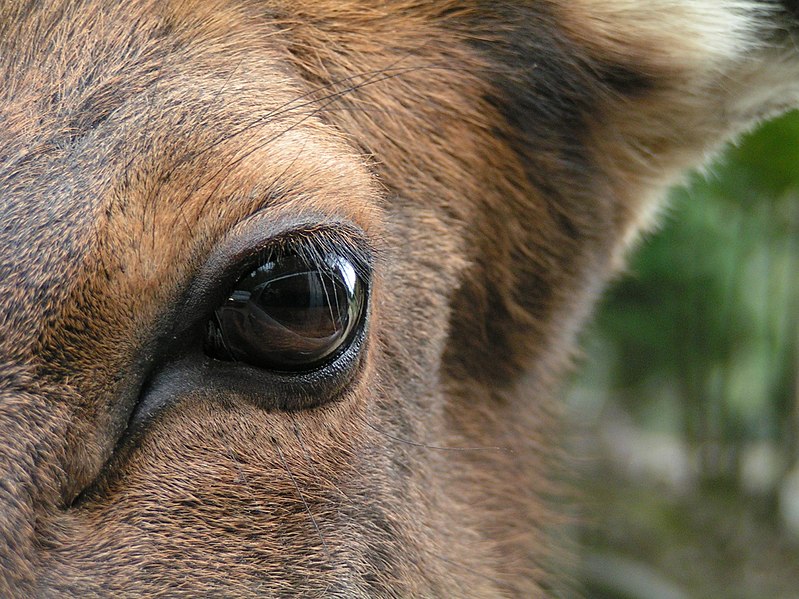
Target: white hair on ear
735	46
717	67
704	34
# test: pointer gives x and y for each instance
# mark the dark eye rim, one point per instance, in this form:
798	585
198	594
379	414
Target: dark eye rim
290	391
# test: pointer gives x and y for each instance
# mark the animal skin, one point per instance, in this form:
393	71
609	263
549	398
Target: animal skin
484	166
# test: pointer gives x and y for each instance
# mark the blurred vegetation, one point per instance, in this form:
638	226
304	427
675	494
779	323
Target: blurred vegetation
690	391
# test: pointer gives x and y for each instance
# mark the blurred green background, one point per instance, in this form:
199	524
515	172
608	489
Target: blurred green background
687	398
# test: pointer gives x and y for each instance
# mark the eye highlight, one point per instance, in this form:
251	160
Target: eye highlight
295	311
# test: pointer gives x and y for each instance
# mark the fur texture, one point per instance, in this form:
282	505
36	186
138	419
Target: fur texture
497	159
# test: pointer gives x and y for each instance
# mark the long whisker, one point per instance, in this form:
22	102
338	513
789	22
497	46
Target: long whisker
302	498
331	99
310	463
292	105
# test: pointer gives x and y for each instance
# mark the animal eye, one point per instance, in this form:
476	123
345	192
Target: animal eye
291	313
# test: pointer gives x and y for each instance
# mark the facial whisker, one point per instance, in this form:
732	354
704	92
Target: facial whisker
302	499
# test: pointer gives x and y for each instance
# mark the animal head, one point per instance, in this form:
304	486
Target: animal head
286	288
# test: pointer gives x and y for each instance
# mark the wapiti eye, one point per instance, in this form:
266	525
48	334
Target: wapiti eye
289	314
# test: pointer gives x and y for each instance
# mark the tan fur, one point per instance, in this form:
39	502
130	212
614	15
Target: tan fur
497	158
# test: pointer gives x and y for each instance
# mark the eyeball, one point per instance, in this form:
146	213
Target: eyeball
290	313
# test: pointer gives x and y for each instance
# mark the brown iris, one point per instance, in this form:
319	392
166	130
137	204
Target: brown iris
289	313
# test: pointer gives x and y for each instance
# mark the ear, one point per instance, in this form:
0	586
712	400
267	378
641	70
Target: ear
711	70
607	103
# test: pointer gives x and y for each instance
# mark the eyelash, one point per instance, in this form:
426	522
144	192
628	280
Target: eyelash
312	244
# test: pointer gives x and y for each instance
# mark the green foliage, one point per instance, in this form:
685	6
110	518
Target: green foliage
691	380
701	338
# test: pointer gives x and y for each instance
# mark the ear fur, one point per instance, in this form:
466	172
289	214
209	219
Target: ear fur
715	69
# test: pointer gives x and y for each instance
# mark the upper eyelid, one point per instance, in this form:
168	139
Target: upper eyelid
305	226
250	242
313	243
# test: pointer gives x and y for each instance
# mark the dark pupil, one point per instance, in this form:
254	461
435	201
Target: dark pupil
288	314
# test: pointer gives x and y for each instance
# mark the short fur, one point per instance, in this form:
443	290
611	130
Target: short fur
497	157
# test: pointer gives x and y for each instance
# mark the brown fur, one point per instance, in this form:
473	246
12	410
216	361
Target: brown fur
496	157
